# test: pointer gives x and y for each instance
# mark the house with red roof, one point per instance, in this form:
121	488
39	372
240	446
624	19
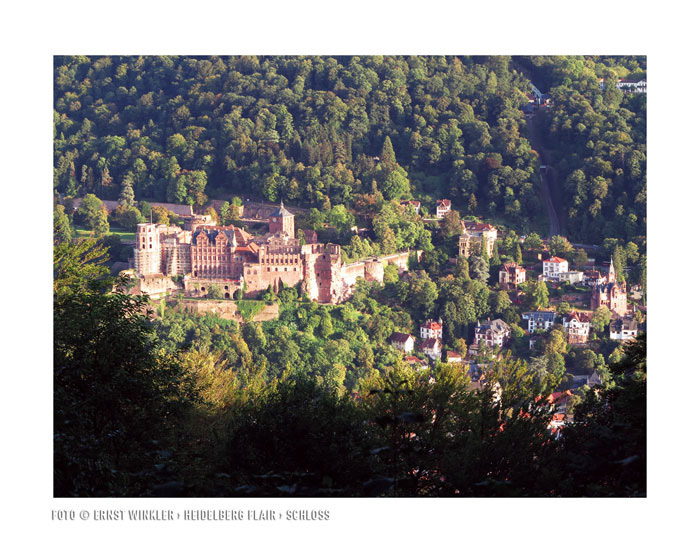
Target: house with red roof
453	357
413	204
473	234
510	275
552	267
443	208
431	329
416	362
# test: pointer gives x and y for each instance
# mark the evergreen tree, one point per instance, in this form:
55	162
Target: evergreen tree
518	254
62	230
618	259
581	257
388	158
126	197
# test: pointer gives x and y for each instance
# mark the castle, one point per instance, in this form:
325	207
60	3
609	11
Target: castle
233	259
611	294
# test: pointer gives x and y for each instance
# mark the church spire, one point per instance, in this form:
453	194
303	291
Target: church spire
611	271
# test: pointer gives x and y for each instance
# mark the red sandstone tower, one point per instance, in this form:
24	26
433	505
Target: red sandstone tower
282	220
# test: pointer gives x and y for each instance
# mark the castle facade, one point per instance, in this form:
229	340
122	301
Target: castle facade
233	259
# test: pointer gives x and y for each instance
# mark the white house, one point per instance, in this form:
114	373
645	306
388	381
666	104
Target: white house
432	348
539	320
443	208
572	277
402	342
623	329
552	267
431	329
493	333
578	327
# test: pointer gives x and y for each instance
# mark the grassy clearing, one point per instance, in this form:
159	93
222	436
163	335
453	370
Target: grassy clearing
124	235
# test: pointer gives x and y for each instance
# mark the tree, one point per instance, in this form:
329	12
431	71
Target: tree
559	245
518	254
536	294
62	230
555	342
451	224
128	217
177	190
93	215
126	197
500	302
618	259
388	158
533	242
462	268
423	293
160	215
632	252
581	258
597	461
115	396
563	309
479	268
396	184
601	318
145	209
215	292
485	249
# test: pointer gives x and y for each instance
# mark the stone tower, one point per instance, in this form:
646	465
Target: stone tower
282	220
147	251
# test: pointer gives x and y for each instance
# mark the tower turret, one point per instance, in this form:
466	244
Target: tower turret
281	220
611	271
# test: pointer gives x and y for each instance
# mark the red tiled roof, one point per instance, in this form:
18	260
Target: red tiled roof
431	325
554	260
471	225
580	317
444	203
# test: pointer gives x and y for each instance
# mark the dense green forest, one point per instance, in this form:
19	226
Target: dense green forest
598	141
342	131
304	129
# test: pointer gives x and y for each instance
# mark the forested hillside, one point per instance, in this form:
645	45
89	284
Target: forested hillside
310	130
598	139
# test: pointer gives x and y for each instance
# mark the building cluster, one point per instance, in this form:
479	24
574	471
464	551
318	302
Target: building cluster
232	259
